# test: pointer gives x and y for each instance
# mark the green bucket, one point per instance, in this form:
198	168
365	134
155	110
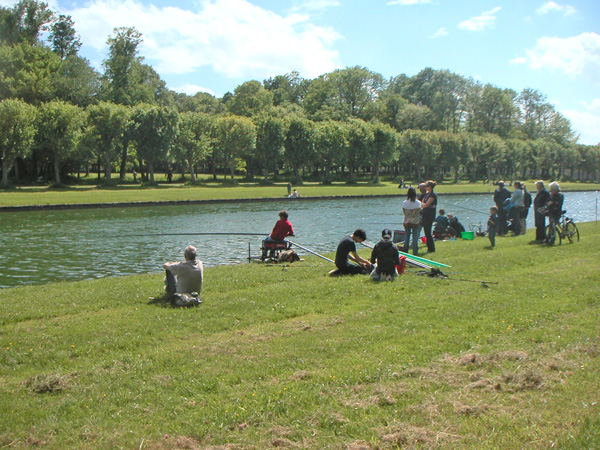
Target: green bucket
468	235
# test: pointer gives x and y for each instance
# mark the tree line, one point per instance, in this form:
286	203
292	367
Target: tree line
59	117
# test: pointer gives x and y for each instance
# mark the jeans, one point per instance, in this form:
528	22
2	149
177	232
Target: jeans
408	230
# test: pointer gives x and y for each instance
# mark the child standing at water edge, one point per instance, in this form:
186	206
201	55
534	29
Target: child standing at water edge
492	225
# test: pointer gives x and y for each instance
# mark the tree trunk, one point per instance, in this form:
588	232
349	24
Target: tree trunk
123	168
56	171
5	169
151	171
107	168
192	174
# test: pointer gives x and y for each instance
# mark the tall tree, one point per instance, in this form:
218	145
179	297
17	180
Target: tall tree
63	37
383	149
250	98
108	124
154	130
270	138
17	132
194	139
28	72
58	132
299	145
120	65
76	82
24	22
330	141
236	137
360	140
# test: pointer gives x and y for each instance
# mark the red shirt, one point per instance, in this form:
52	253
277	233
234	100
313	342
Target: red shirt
281	230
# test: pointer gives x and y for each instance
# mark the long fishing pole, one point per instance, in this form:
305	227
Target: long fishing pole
409	258
195	234
310	251
470	209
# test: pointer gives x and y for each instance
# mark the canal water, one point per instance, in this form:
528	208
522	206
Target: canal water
38	247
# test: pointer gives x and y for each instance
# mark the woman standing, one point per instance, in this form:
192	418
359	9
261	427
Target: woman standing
428	209
412	220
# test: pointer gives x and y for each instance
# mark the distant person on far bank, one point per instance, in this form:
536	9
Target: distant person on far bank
289	189
540	219
295	194
346	252
183	282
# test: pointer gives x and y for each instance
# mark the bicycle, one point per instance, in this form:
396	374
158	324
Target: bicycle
565	228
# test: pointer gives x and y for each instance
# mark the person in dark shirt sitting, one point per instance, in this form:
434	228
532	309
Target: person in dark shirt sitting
385	257
346	251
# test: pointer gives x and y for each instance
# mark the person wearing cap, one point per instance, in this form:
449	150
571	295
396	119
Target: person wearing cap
385	257
501	194
346	250
185	277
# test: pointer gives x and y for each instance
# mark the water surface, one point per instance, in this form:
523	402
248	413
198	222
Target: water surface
42	246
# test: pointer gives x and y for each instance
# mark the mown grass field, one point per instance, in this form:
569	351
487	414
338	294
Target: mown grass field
286	357
165	192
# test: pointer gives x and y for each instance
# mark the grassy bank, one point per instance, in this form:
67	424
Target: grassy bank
165	192
285	357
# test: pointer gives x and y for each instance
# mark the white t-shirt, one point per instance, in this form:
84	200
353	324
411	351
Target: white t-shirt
189	276
412	211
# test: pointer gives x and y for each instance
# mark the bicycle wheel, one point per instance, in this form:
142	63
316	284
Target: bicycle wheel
571	232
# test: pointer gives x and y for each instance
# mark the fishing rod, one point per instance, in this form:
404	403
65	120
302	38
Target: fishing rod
310	251
409	259
195	234
470	209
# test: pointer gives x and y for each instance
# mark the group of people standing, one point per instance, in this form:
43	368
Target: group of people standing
419	213
511	209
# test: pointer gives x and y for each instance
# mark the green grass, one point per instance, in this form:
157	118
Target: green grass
283	356
165	192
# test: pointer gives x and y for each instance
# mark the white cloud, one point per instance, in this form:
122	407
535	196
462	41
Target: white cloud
551	6
191	89
479	23
315	5
586	122
575	56
439	33
233	37
407	2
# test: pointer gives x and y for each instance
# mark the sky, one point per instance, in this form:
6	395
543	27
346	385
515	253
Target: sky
216	45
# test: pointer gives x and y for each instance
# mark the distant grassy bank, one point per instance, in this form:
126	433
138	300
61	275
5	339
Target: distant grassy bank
173	192
285	357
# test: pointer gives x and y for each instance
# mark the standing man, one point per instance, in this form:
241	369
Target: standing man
554	205
184	279
540	220
346	251
501	194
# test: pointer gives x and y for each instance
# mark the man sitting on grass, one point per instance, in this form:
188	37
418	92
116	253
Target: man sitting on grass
346	251
184	279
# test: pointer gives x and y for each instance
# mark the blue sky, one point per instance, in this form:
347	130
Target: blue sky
215	45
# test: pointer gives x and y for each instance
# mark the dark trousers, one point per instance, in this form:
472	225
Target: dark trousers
515	215
428	220
502	221
170	283
352	269
540	227
492	235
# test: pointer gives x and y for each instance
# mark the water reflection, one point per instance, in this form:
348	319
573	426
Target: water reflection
43	246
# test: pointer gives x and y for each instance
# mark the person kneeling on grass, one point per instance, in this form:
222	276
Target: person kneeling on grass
183	282
346	251
385	257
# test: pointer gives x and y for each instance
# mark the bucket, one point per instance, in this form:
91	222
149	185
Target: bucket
468	235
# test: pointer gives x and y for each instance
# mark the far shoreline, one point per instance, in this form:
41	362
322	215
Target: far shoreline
66	206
